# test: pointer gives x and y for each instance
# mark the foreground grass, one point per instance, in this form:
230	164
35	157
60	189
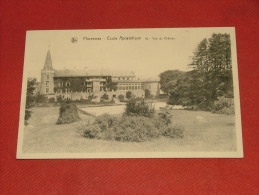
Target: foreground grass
204	131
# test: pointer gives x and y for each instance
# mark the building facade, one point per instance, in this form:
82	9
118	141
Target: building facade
81	83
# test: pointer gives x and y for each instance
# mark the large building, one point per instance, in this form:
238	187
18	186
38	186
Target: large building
81	83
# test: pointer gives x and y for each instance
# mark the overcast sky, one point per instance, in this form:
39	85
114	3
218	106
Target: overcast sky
147	58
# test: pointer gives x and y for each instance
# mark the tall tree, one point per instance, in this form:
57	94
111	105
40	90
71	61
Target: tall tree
168	79
212	66
30	97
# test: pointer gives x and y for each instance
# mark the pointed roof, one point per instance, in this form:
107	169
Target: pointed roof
48	62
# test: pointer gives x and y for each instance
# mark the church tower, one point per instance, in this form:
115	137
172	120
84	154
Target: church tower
47	76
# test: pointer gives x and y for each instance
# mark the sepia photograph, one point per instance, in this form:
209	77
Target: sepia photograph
130	93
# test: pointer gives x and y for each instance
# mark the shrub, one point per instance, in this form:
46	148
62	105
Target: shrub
101	127
52	100
128	94
139	108
165	116
228	111
127	128
148	93
121	97
60	99
91	97
68	113
224	106
131	128
41	98
105	97
175	131
135	129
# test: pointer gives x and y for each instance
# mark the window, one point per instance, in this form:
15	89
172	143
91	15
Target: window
59	90
60	84
119	78
47	90
127	78
67	84
47	83
47	76
67	90
89	84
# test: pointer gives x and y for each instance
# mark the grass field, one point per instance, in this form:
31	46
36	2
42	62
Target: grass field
204	131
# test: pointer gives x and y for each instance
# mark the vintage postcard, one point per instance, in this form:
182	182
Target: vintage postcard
130	93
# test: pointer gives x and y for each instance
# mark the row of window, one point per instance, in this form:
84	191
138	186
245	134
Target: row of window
66	90
130	87
61	84
88	84
123	78
69	90
130	83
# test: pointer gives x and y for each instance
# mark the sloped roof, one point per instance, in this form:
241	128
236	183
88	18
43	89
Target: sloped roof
87	72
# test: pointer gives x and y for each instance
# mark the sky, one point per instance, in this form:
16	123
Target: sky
156	51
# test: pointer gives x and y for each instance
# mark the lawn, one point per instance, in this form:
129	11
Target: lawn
204	131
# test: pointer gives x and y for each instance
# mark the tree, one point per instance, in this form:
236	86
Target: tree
105	97
30	97
128	94
168	79
180	90
68	113
60	99
213	69
148	93
210	78
121	97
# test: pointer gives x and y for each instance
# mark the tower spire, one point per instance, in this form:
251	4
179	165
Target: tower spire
48	62
47	76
